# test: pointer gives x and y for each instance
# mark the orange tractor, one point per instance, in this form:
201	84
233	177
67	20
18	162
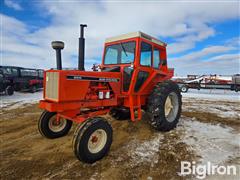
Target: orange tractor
133	76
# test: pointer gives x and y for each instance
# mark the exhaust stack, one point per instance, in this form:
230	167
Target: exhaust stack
81	48
58	46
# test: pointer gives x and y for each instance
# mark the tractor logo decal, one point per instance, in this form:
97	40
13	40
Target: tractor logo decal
102	79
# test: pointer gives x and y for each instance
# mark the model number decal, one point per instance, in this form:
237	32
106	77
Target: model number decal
92	78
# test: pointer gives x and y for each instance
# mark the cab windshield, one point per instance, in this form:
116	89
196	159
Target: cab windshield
121	53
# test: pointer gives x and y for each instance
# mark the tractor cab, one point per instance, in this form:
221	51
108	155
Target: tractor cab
138	49
134	51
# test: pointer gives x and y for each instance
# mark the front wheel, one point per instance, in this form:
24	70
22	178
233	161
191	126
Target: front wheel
92	140
51	128
9	90
164	106
237	88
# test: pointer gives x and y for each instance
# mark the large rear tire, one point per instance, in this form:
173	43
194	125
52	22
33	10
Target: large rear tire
164	106
92	140
50	128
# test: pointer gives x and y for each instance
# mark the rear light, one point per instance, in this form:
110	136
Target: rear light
100	95
107	96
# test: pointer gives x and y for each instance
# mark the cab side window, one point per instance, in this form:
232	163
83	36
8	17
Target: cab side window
156	58
146	54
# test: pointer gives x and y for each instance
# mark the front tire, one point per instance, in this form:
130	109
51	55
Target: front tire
164	106
50	128
9	90
92	140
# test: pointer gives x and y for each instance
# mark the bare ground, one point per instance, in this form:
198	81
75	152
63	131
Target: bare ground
137	152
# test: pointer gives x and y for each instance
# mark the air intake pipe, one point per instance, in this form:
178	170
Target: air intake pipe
58	46
81	48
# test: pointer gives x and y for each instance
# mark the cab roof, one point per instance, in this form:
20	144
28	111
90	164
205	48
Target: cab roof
136	34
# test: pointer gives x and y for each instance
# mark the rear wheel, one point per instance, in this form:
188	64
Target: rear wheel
9	90
237	88
49	127
184	88
33	89
164	106
92	140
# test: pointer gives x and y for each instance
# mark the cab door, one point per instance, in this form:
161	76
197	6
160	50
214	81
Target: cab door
144	69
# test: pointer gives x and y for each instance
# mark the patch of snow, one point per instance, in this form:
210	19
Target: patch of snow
149	178
179	77
213	94
19	98
146	151
221	109
212	142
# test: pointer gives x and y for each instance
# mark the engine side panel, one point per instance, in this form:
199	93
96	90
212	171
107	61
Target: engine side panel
71	85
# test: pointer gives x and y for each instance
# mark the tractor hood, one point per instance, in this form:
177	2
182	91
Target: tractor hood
73	85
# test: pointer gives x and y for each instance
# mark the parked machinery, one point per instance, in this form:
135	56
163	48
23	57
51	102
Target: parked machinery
5	85
26	79
209	82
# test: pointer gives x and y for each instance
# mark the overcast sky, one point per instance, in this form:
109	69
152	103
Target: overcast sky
202	36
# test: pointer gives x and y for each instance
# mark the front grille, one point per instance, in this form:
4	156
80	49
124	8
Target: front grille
51	90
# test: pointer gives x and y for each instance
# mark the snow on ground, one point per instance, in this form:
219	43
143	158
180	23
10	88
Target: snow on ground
221	109
146	151
213	143
19	98
213	94
220	102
